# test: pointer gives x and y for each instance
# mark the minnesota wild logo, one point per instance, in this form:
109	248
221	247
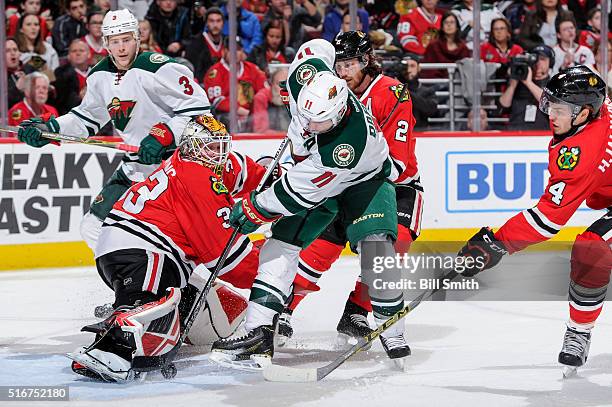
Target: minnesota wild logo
568	158
397	91
120	112
218	187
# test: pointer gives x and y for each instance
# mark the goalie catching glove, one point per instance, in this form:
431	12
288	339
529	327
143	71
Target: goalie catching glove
30	131
156	144
485	250
247	216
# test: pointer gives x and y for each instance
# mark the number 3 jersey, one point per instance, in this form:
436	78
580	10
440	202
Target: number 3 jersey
181	210
579	168
155	89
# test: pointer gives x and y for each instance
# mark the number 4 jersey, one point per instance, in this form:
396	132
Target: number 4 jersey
580	171
181	210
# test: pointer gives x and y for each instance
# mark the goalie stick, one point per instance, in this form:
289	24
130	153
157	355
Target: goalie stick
278	373
75	139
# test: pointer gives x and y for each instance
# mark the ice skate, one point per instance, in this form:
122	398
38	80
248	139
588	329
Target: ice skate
283	328
250	351
575	351
397	349
353	325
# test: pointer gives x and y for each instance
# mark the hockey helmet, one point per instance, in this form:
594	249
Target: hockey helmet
322	102
206	140
352	44
573	89
119	22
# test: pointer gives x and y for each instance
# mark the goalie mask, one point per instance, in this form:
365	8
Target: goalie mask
206	141
322	102
119	22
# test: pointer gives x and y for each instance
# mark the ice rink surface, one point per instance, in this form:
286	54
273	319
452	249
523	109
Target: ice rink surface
464	353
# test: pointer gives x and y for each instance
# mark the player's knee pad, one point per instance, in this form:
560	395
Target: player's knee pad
90	229
591	260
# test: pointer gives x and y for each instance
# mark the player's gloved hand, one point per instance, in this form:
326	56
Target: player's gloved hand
247	216
284	92
156	144
30	131
484	250
276	172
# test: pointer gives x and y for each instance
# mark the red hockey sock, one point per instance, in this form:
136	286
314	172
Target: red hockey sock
359	296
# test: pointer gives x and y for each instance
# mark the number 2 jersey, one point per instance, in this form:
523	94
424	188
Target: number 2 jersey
181	210
579	168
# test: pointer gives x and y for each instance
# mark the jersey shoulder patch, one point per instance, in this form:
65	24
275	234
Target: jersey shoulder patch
105	65
397	91
151	61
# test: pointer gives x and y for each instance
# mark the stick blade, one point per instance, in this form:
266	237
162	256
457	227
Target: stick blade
276	373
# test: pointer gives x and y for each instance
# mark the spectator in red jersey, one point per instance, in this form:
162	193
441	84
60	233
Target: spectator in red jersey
71	79
93	39
147	41
448	47
273	50
34	104
269	112
251	80
419	27
36	54
500	47
206	49
27	7
592	33
14	72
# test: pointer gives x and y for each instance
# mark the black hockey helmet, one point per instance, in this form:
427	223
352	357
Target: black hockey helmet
577	87
352	44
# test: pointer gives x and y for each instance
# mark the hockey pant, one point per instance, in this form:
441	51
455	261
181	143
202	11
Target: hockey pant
119	182
367	212
591	264
323	252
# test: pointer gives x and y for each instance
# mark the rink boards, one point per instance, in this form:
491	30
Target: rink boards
470	180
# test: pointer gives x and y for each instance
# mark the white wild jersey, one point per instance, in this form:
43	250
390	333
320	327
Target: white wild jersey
155	89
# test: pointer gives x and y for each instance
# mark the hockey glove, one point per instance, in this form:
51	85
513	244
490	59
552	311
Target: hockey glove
284	92
156	144
484	250
30	131
247	216
276	172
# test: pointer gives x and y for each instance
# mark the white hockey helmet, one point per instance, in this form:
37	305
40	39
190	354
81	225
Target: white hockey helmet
206	140
322	102
120	22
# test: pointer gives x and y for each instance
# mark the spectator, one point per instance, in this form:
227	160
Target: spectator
598	63
567	52
197	21
516	15
382	15
500	47
346	23
333	19
69	26
259	7
423	97
169	24
103	6
592	33
249	29
419	27
539	25
34	104
305	14
147	40
137	7
36	54
250	81
281	11
27	7
522	97
581	10
447	48
484	120
206	49
465	13
71	78
14	72
269	112
93	39
272	51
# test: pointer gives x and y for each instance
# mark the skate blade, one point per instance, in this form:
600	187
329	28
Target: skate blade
402	364
256	363
280	340
569	372
344	341
101	369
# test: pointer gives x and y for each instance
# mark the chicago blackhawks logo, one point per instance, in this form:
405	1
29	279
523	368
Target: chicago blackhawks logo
568	158
397	91
343	155
218	187
304	73
120	112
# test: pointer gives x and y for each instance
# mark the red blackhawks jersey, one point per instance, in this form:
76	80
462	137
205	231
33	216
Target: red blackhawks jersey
490	53
181	210
580	171
380	98
216	82
416	29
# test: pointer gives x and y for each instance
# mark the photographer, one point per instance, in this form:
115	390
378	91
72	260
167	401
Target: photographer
527	78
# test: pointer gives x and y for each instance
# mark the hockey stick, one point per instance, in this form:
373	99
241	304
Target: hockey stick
75	139
277	373
399	100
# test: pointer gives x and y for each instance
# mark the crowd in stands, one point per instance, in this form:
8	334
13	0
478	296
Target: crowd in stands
52	45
